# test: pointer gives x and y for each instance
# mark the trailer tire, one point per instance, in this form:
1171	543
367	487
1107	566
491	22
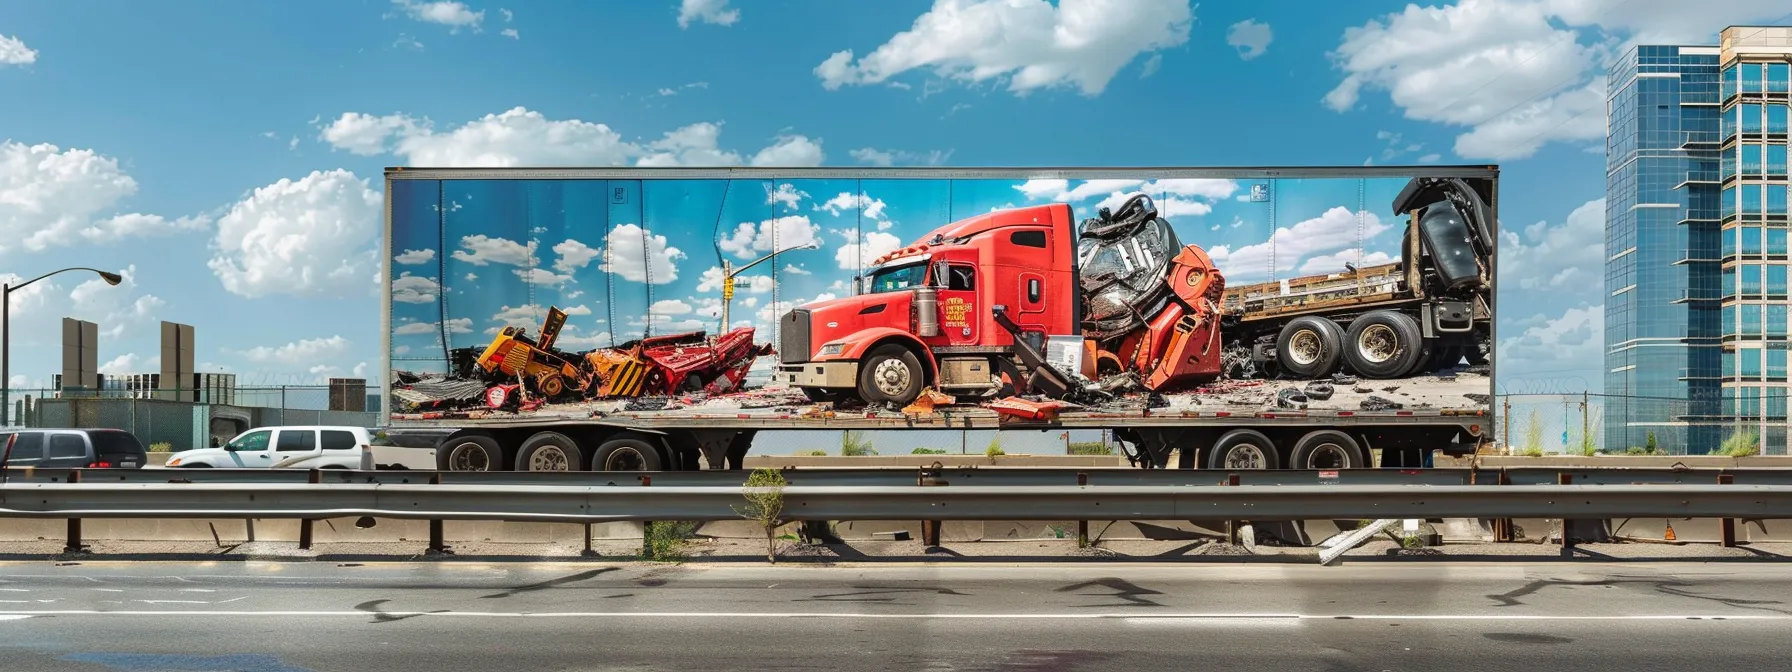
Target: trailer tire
1242	449
472	452
891	374
1328	449
626	455
550	451
1384	344
1310	347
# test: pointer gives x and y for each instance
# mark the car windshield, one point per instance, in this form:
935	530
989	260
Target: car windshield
896	278
115	443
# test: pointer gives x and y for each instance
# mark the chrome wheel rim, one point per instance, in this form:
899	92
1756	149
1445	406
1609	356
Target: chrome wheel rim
891	377
1378	343
469	457
1305	347
549	458
1246	456
1328	456
625	459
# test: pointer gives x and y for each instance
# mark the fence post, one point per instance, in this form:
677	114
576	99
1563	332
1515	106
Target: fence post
1502	527
930	529
1082	526
1727	525
315	478
1567	525
647	525
1232	526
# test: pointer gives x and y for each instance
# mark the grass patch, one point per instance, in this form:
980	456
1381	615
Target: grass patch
667	541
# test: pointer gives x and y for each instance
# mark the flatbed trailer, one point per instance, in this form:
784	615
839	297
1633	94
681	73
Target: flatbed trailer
1448	408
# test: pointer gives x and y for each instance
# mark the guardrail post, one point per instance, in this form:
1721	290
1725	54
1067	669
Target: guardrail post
1232	526
74	524
316	477
1082	526
930	529
436	544
1502	527
647	525
1727	525
1567	525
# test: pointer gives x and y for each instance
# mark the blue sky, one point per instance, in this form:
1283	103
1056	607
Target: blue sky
227	154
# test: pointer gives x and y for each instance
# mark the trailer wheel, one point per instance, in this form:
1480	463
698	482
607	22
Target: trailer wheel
470	453
626	455
550	451
552	385
1242	449
1309	347
1328	449
1384	344
891	374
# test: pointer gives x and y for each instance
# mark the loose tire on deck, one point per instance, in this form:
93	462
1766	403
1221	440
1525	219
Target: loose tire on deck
890	374
550	451
1242	449
1310	347
1328	449
626	455
470	453
1384	344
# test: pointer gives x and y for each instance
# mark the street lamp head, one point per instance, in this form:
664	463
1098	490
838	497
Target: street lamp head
111	278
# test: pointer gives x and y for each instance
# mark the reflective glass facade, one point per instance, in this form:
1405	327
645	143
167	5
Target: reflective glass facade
1753	228
1663	272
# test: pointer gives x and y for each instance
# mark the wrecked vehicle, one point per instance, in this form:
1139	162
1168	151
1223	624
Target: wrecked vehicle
1187	338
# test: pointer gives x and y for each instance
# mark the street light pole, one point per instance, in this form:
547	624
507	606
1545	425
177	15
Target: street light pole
6	291
729	273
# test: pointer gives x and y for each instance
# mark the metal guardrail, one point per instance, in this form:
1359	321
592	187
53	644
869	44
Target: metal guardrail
597	504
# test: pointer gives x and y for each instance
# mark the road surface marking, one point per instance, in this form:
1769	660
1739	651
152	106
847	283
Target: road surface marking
1126	617
14	617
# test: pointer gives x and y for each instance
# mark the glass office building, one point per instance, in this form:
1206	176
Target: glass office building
1696	196
1755	66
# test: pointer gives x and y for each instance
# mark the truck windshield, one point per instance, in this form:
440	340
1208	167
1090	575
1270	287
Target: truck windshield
896	278
1446	233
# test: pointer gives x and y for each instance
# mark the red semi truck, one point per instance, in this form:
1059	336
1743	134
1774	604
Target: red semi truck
1113	315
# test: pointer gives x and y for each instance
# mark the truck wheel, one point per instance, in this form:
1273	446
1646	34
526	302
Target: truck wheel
820	394
552	386
891	374
470	453
1309	347
1328	449
1384	344
550	451
1242	449
626	455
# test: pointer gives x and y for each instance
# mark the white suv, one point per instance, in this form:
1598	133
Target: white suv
296	447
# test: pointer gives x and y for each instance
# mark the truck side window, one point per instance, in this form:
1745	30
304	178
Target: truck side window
296	440
1028	239
963	278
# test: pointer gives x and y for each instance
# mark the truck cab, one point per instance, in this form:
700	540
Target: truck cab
925	315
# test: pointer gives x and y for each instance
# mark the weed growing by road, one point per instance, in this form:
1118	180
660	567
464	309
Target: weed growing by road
666	540
765	505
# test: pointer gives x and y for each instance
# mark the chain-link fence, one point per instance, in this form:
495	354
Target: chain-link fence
185	419
1586	423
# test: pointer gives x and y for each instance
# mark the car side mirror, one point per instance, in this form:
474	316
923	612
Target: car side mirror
858	285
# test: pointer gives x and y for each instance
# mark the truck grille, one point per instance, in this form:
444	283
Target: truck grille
793	337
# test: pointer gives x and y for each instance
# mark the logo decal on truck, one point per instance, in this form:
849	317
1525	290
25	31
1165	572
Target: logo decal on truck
957	308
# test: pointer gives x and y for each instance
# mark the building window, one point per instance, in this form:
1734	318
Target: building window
1748	363
1729	318
1776	118
1751	200
1776	368
1751	159
1751	77
1729	161
1776	77
1751	279
1729	201
1776	199
1776	320
1776	241
1729	287
1730	78
1751	318
1776	280
1776	160
1751	240
1729	364
1751	118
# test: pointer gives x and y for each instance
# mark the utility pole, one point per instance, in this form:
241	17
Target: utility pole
1586	440
729	273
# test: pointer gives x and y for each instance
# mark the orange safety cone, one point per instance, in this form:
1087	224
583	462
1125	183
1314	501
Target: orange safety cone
1669	534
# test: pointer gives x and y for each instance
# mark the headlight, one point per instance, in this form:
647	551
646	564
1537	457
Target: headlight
831	349
172	462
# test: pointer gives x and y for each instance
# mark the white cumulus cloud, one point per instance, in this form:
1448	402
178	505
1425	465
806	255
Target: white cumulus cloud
307	237
307	352
414	257
1249	38
1554	259
14	52
1329	233
455	15
1029	44
637	255
860	251
407	288
751	239
706	11
51	197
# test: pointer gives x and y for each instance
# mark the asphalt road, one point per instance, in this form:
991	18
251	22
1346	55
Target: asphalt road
446	617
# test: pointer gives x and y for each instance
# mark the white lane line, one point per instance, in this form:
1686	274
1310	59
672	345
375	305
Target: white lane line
14	590
1126	617
172	601
14	617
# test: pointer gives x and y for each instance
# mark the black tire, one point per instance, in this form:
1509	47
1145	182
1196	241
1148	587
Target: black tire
1310	347
194	466
1241	446
1444	358
1328	449
890	374
1384	344
472	452
820	394
550	451
626	455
